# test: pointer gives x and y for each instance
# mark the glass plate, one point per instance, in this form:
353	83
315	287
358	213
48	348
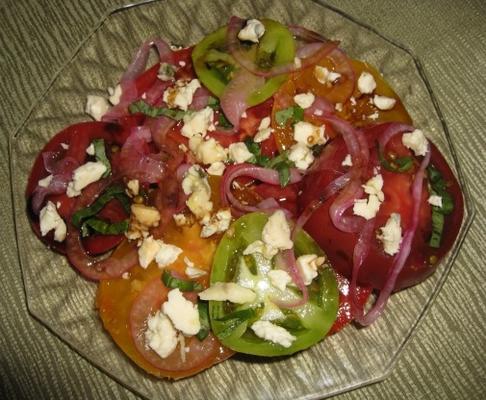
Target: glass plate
64	302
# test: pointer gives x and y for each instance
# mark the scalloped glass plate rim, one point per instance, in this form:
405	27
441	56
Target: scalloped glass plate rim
470	211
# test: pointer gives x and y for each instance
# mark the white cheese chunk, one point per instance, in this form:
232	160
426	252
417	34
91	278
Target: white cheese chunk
304	100
374	116
276	232
348	161
216	168
180	219
384	103
160	335
309	134
253	31
307	265
115	94
45	182
166	72
192	271
90	150
145	215
416	141
338	107
273	333
96	107
324	76
435	200
207	151
84	176
133	187
391	234
198	122
366	83
218	223
148	250
297	62
374	186
195	184
279	278
180	95
264	130
49	219
228	291
183	313
65	146
258	246
239	153
301	155
167	254
367	208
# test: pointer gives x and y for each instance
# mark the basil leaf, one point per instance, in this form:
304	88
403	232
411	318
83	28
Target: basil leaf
255	149
291	114
283	170
223	121
203	309
175	283
399	165
112	192
100	155
235	319
437	228
292	322
141	107
103	227
213	102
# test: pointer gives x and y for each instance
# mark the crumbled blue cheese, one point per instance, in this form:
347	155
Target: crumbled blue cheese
391	234
324	76
308	265
96	107
279	278
276	232
133	187
366	83
90	150
207	151
297	62
180	95
258	247
146	215
167	254
416	141
160	335
273	333
198	122
45	182
301	155
181	219
182	313
253	31
148	250
216	168
338	107
218	223
309	134
115	94
304	100
383	102
348	161
49	219
195	184
435	200
264	130
239	153
192	271
368	208
228	291
65	146
84	176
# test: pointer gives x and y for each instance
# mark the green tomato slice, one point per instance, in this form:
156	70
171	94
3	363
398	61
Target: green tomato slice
231	323
214	65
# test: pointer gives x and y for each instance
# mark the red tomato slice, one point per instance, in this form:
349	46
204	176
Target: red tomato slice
339	246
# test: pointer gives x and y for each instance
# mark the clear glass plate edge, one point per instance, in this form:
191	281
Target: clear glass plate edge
469	204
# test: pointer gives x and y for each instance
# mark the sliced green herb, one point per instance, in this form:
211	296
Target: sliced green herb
105	228
141	107
283	169
223	121
100	154
437	228
291	114
258	157
213	102
401	164
113	192
292	322
203	309
234	319
183	285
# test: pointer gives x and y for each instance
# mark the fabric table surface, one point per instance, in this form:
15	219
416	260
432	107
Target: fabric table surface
446	357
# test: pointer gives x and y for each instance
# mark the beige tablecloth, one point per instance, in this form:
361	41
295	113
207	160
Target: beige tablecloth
445	359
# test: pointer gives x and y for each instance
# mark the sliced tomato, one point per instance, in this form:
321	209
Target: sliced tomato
339	245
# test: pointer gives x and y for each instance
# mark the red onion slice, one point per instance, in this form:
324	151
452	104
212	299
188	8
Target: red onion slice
306	34
343	202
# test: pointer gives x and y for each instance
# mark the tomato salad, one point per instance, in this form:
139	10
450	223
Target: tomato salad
243	195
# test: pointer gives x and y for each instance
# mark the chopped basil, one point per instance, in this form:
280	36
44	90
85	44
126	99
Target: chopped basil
113	192
141	107
213	102
401	164
291	114
223	121
258	157
202	307
292	323
234	319
100	154
283	169
105	228
438	188
183	285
